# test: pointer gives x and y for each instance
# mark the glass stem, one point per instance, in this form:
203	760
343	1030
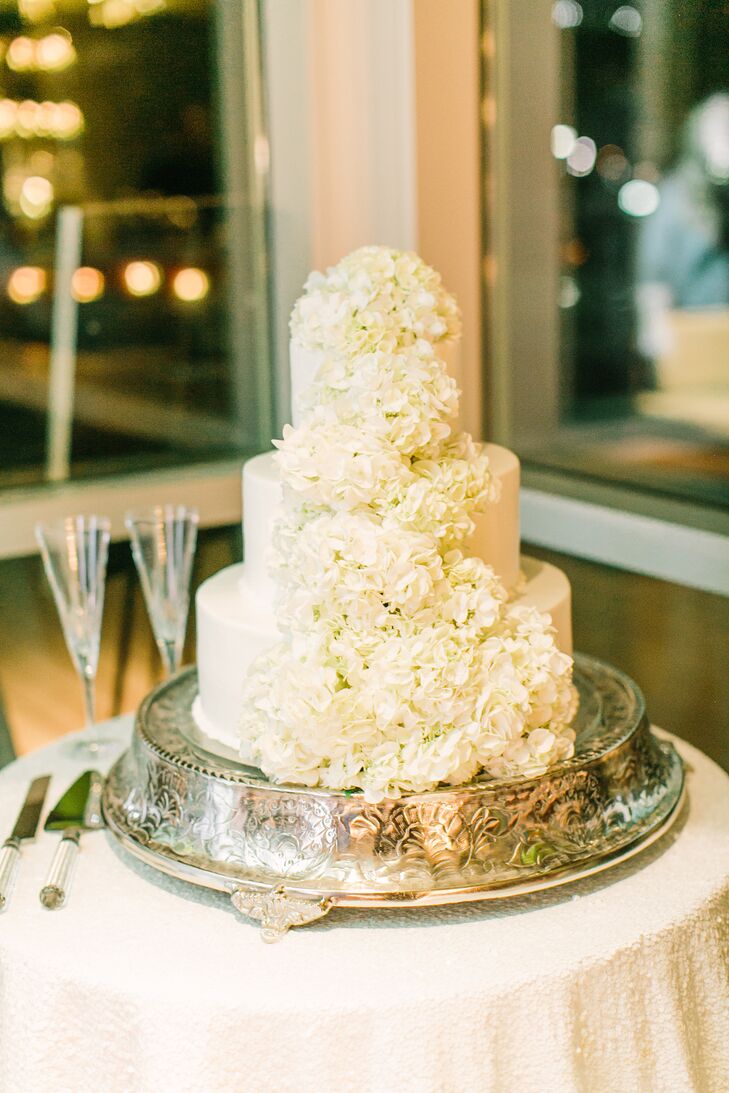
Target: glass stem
89	700
170	657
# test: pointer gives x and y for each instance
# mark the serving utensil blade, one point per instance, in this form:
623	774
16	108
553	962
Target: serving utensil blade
26	826
80	805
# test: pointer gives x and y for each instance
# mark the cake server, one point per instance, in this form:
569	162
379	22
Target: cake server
26	826
77	811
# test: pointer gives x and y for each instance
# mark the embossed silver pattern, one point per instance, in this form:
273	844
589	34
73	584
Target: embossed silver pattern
288	853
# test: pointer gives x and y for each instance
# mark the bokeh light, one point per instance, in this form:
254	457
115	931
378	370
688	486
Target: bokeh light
582	158
55	52
639	197
567	14
36	197
87	284
627	20
36	11
21	54
119	13
8	115
52	53
575	253
569	292
68	122
563	141
29	119
142	278
612	163
26	118
191	284
26	284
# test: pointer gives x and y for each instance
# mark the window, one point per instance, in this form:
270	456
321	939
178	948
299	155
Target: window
607	143
133	272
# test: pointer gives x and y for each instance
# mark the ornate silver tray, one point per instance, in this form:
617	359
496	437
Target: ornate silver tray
288	854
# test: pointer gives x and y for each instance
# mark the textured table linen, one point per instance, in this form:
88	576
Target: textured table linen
142	983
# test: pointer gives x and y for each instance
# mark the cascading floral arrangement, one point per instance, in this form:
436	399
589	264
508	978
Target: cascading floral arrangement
401	663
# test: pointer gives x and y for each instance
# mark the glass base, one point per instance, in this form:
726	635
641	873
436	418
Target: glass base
87	747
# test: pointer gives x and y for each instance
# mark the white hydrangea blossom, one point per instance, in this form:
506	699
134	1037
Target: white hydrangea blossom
404	398
375	298
401	664
333	466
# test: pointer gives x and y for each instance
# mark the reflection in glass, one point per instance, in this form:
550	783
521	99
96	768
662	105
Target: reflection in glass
118	108
683	264
632	216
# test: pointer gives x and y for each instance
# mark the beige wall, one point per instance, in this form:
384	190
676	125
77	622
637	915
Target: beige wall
361	128
448	184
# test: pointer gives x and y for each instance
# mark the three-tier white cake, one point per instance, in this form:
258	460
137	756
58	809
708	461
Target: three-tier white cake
238	608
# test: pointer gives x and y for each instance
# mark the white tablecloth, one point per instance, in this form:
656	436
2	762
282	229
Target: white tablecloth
144	984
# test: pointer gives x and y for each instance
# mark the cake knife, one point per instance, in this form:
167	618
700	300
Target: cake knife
26	826
78	810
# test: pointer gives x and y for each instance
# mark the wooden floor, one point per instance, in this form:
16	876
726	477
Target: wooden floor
674	641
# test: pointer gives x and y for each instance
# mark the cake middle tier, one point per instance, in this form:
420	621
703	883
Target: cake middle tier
234	625
496	538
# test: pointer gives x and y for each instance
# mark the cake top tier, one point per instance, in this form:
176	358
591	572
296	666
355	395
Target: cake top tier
375	298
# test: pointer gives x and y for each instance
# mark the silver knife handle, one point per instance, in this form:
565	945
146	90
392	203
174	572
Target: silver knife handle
9	858
53	894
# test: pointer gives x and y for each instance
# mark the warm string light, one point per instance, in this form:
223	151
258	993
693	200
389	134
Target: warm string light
112	14
191	285
29	119
26	284
140	278
37	11
36	197
54	52
87	284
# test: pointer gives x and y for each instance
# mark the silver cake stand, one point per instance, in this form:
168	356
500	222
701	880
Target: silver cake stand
287	854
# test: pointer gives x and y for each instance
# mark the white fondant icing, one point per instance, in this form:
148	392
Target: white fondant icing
496	538
548	589
232	629
261	503
222	735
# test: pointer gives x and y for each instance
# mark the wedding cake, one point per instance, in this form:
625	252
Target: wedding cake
383	633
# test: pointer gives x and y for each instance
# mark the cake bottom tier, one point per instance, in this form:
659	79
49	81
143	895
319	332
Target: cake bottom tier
233	628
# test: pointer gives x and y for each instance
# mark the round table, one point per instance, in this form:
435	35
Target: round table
142	983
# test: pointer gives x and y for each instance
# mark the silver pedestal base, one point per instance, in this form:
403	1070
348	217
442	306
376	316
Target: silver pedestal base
288	854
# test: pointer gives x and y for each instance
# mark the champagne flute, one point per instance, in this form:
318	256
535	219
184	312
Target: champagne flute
75	551
163	542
